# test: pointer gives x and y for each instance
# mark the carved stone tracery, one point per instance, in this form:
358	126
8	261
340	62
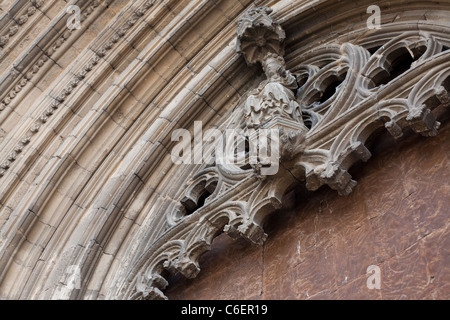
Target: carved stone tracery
90	188
343	102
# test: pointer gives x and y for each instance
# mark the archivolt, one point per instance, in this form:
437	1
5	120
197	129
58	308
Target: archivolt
93	185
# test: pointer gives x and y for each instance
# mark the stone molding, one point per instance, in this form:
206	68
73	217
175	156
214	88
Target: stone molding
19	15
22	80
86	119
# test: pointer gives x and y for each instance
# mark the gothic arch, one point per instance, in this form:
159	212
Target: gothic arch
87	116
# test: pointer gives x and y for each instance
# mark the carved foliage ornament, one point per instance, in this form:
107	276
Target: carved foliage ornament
324	123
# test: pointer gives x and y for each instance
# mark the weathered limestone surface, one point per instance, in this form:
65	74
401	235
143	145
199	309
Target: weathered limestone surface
93	207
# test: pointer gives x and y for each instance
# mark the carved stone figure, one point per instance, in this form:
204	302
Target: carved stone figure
274	96
272	105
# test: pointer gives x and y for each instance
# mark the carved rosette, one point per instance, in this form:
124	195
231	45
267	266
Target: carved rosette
258	35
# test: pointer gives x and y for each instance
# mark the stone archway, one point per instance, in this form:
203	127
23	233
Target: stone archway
87	116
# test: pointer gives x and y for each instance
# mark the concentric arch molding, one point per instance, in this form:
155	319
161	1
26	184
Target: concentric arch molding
89	187
345	93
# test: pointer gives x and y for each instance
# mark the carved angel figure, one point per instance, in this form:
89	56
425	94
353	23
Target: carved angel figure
274	96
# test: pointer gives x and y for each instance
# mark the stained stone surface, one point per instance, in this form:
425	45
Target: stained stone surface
320	247
92	205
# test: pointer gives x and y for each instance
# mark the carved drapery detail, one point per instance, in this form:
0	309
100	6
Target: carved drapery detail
341	92
274	96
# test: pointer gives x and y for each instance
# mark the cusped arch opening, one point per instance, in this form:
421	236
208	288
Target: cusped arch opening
397	62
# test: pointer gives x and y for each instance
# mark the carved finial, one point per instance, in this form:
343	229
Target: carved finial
258	35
